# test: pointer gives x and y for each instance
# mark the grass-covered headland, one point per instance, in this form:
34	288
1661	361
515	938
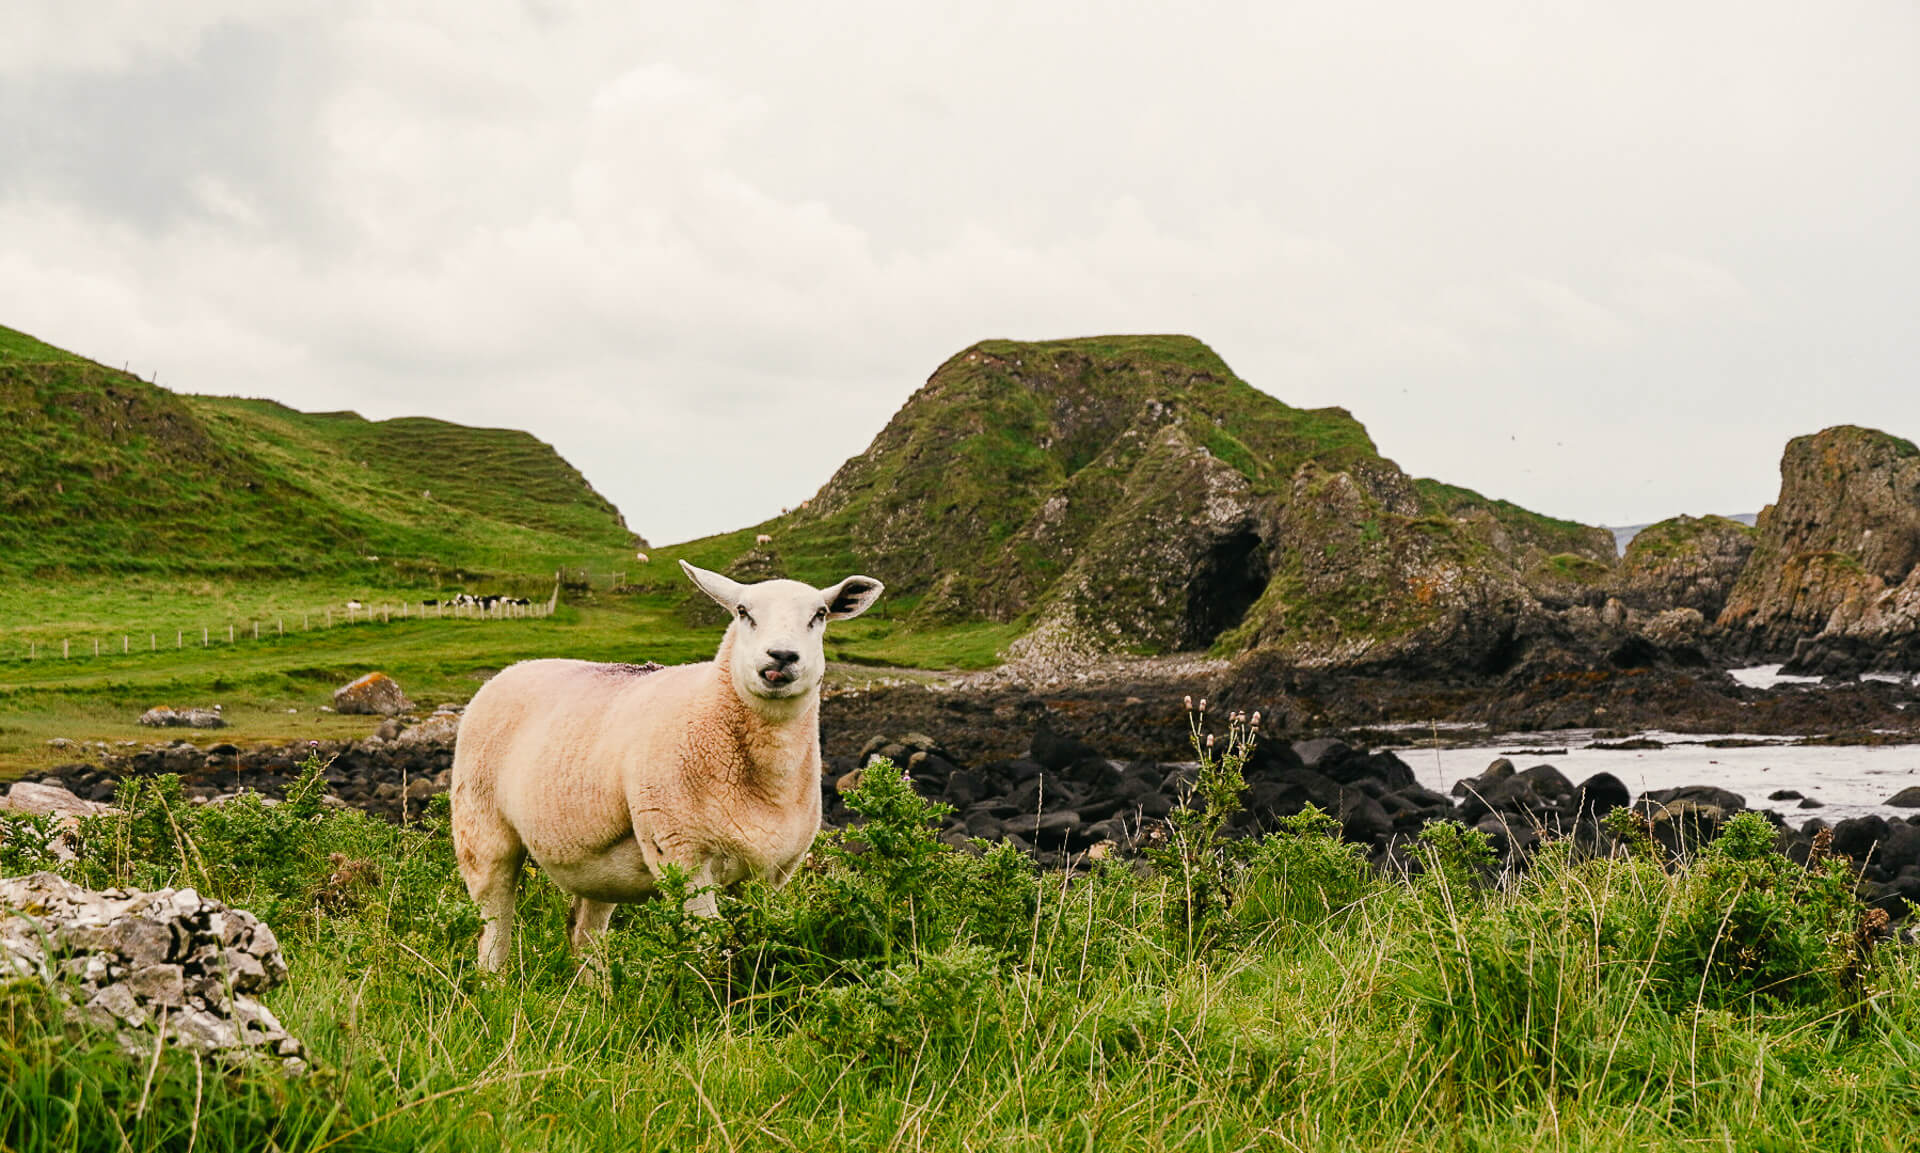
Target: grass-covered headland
1217	995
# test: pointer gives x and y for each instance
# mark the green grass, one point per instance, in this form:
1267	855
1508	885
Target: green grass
899	995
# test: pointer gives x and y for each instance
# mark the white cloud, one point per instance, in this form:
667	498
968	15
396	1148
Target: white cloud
1581	259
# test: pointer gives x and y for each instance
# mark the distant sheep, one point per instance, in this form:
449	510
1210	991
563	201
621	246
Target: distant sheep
605	773
763	538
643	558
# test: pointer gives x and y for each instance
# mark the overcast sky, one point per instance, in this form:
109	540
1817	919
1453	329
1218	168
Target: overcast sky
1602	260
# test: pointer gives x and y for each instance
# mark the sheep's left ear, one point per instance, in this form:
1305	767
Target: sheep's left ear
852	596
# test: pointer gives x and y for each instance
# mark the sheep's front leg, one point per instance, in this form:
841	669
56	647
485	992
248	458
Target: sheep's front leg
704	902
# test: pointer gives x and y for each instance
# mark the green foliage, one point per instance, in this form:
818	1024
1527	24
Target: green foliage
1302	875
1201	863
1454	855
939	999
26	843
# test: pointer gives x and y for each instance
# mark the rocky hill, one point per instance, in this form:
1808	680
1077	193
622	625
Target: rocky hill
101	471
1131	494
1834	581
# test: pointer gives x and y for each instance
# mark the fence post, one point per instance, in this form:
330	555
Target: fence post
256	630
125	645
203	636
33	650
282	624
153	642
329	616
96	646
229	633
65	652
179	638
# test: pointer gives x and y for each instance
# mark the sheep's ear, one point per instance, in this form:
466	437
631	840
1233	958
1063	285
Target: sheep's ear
725	593
852	596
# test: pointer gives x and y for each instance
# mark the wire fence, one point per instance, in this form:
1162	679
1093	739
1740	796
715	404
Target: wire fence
462	607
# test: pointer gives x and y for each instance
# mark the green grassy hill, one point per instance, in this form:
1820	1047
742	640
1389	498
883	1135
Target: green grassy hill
102	473
1131	493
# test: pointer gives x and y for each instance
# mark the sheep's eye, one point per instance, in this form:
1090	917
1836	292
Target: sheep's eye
819	616
742	610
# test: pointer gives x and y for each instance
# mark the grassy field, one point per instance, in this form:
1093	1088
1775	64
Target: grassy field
903	995
272	688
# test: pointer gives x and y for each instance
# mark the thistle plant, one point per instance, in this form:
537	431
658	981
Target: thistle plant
1195	853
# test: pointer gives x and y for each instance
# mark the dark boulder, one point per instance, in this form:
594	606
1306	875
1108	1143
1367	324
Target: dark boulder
1907	798
1602	793
1055	751
1856	836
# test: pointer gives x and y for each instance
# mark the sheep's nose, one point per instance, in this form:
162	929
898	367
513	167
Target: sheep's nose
783	656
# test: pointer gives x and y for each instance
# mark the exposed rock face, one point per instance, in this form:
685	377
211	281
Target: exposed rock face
1362	580
1833	571
1684	563
166	960
375	694
1180	558
166	717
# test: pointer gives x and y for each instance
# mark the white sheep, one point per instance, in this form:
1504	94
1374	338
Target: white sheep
763	538
643	558
606	773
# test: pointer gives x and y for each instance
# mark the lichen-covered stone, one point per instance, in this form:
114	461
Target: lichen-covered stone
374	694
133	959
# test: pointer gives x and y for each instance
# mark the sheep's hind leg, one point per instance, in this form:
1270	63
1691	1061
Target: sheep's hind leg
493	880
586	920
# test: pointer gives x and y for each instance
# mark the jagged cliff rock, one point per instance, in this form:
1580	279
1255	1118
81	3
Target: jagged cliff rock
1831	567
1684	563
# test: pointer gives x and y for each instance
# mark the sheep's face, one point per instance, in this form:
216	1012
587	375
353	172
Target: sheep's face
779	628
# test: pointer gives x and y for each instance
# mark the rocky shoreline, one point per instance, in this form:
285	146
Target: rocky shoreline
1062	773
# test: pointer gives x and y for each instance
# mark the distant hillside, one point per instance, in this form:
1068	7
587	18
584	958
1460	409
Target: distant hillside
1130	493
101	471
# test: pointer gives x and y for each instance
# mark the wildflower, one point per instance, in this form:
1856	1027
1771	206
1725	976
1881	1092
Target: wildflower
1189	702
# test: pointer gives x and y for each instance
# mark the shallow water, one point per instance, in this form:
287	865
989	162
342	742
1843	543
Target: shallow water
1852	781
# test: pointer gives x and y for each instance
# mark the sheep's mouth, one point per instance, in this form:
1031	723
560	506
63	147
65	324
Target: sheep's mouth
778	676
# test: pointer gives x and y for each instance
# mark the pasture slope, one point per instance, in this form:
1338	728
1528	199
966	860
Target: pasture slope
104	473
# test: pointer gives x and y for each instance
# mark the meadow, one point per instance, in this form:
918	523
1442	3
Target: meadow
902	994
150	633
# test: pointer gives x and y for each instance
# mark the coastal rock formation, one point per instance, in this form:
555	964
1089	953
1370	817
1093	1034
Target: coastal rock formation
1684	563
1131	495
1831	582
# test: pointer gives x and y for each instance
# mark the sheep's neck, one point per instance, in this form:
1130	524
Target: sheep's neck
778	740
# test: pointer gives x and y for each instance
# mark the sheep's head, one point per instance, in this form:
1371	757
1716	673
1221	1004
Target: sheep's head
779	628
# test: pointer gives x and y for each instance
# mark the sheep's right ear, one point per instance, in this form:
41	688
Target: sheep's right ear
725	593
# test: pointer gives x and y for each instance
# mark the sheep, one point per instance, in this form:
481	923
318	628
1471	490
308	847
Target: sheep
643	558
763	538
605	774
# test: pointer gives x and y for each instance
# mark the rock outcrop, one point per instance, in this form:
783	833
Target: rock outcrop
168	961
1832	583
375	694
1684	563
1131	495
168	717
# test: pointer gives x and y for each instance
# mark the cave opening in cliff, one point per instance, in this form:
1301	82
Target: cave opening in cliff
1229	578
